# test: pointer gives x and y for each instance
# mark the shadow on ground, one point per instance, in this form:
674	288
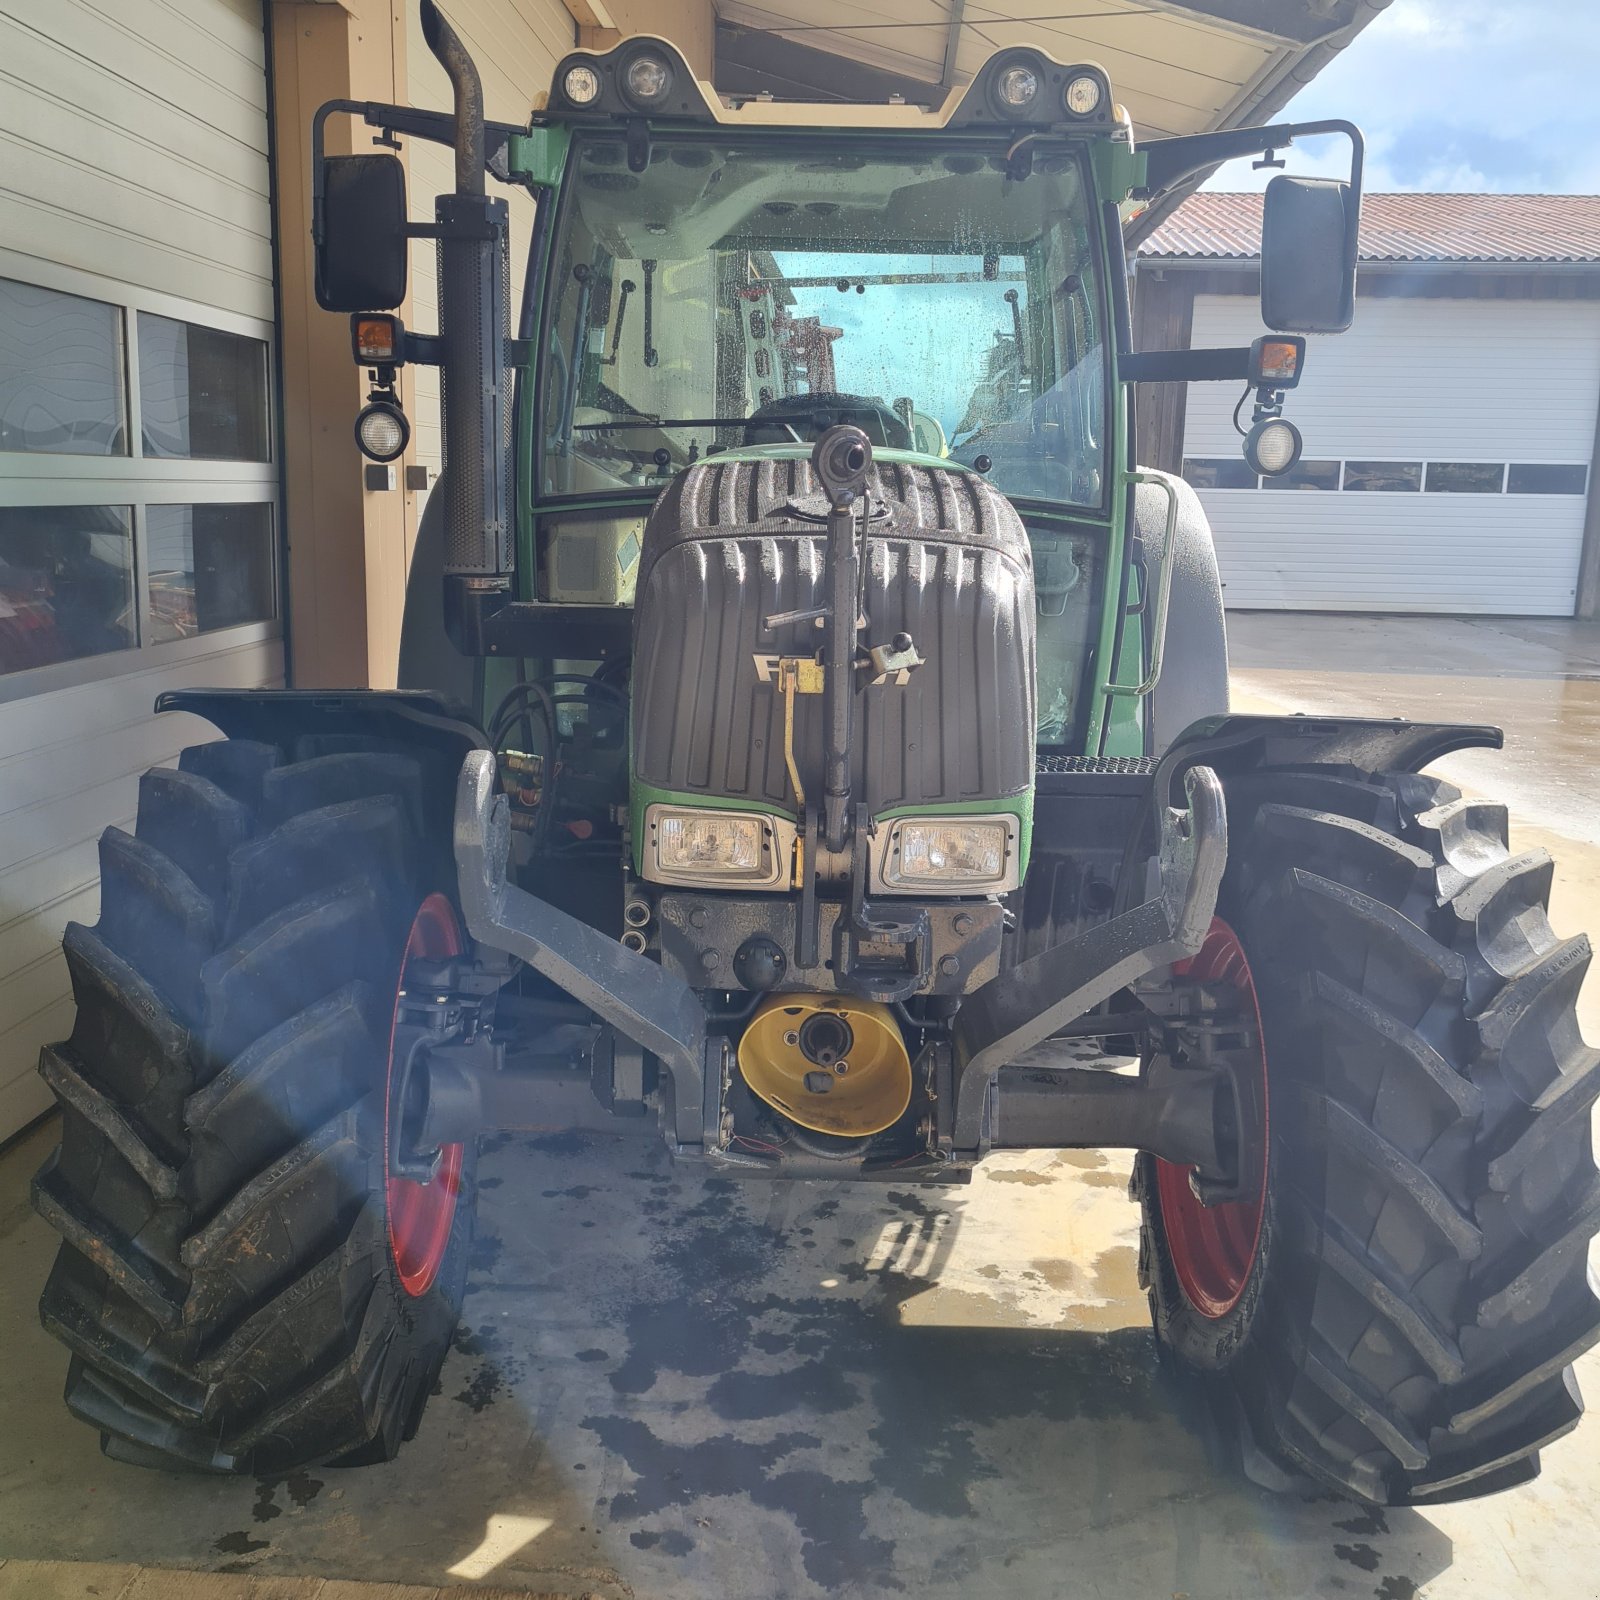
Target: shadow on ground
671	1386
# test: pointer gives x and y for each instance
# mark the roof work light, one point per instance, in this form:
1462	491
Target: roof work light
647	80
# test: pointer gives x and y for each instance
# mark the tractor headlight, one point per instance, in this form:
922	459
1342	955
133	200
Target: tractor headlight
716	849
1014	90
948	855
1272	446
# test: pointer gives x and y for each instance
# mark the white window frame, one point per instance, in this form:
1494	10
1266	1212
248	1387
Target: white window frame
134	481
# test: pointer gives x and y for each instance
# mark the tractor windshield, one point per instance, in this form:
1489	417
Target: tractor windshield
752	292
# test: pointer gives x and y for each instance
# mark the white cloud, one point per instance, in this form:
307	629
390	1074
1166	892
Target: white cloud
1432	26
1461	95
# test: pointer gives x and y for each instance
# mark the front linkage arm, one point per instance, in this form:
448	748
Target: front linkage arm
1025	1006
641	1000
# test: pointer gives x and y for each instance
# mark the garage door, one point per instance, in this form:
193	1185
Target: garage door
1446	451
138	486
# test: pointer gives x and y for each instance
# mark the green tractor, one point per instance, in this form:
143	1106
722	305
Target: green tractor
814	744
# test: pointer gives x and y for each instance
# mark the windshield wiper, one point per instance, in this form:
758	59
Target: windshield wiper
1015	303
650	356
569	400
628	286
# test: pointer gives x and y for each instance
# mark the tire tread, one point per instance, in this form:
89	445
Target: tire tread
223	1283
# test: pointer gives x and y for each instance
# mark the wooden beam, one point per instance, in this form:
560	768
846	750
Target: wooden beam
1163	319
952	43
338	533
590	14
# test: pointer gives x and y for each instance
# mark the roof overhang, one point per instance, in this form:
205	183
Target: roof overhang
1178	68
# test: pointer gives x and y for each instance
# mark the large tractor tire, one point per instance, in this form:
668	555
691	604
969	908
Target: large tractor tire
1393	1306
240	1286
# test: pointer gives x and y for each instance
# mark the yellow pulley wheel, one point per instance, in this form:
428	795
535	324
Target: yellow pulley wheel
828	1062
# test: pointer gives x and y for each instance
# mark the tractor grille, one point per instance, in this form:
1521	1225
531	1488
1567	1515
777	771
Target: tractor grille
1121	766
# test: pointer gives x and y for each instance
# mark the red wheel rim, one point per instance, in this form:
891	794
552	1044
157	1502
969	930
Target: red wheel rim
421	1214
1214	1247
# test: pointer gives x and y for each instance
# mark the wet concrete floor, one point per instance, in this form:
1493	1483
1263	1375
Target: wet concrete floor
688	1389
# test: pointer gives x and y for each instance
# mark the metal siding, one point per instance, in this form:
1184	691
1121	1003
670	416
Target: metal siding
133	140
1414	380
133	145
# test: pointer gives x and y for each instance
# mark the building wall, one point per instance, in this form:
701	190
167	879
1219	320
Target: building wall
342	538
134	176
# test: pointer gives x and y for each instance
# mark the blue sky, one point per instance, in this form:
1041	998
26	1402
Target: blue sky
1464	95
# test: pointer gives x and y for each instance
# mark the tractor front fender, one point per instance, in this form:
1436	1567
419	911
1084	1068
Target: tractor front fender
1194	681
1234	744
298	719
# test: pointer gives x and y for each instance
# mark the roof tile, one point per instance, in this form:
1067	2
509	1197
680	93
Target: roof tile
1403	227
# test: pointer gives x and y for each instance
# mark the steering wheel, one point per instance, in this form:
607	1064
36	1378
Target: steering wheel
805	417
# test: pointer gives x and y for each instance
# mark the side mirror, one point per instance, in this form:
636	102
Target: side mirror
361	233
1308	255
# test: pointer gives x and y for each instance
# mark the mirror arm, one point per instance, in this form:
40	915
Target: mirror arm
318	122
1185	366
439	127
427	350
422	349
436	127
1170	161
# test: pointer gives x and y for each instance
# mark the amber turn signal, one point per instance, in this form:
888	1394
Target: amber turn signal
1279	359
1276	361
378	341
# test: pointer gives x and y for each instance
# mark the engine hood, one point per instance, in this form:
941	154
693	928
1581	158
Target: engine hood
734	548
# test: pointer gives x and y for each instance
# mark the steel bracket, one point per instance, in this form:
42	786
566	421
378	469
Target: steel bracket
1025	1006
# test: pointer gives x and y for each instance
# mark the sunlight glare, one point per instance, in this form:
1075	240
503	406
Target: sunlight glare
506	1535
